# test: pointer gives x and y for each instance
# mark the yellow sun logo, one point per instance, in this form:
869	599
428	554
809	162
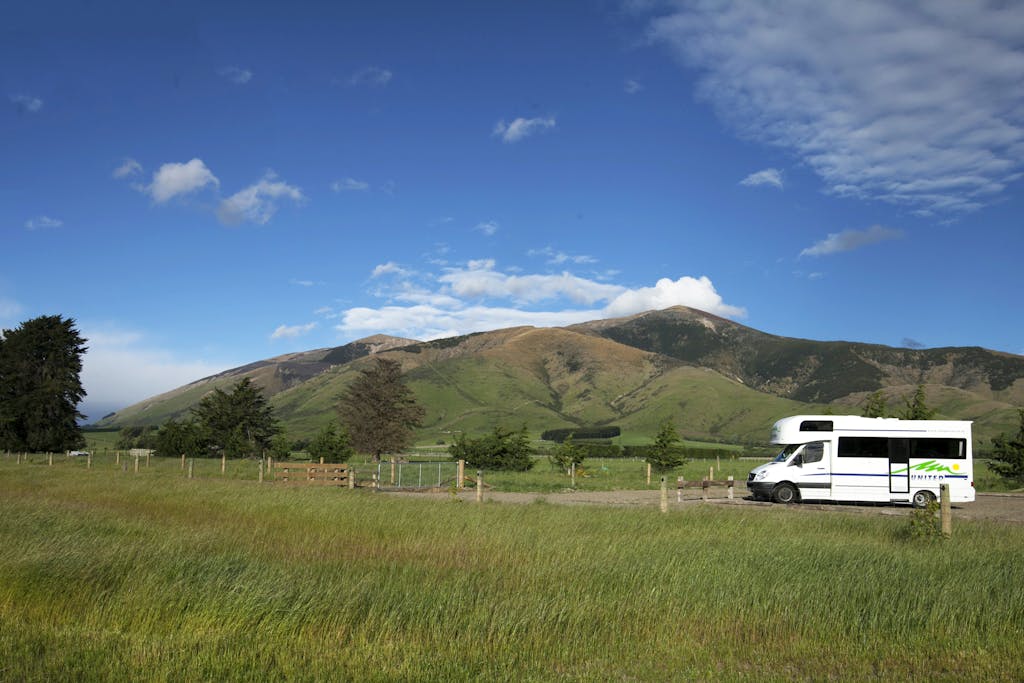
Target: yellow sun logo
956	466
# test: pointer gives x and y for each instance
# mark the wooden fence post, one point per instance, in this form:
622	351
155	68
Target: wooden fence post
51	459
223	463
351	477
664	493
732	482
572	474
460	476
117	458
190	463
680	483
149	452
648	474
261	470
136	463
704	490
19	458
393	464
945	511
88	461
479	486
270	467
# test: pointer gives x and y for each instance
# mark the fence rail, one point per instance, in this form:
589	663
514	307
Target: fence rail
312	473
704	485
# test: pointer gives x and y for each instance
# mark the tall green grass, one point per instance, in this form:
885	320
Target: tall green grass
156	577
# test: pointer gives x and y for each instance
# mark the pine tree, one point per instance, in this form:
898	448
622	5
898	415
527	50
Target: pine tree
916	407
876	405
664	455
379	410
567	454
331	444
240	423
1008	454
40	385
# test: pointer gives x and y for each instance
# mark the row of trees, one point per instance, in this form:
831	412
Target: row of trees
915	406
377	414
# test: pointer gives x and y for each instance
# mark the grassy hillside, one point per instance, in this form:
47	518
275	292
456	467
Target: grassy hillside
547	378
714	378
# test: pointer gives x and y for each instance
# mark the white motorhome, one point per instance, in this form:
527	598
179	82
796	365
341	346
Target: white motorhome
850	458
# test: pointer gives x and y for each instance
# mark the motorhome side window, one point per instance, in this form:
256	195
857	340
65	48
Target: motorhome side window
939	449
816	426
863	447
919	448
813	452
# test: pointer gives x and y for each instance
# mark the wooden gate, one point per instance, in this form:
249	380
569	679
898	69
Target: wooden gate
311	473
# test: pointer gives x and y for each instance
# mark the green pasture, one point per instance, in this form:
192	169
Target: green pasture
112	575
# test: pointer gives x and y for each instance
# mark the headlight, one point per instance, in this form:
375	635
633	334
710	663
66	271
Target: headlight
760	475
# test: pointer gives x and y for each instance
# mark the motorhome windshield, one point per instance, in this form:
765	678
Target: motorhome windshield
786	452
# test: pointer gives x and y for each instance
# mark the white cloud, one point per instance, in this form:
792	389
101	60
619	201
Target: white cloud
173	179
292	331
557	258
481	280
257	203
848	240
686	291
487	227
349	185
632	87
521	128
302	283
120	368
769	176
916	104
40	222
235	74
371	75
389	268
477	297
129	167
27	103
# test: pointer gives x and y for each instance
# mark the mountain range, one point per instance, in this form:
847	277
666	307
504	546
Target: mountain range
714	378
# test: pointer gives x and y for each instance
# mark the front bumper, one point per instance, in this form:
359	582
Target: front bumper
760	489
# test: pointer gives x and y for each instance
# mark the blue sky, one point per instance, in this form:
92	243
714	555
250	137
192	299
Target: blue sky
201	187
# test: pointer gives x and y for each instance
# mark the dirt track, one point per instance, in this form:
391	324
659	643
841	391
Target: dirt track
1003	507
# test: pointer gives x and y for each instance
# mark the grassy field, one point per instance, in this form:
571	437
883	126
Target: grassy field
111	575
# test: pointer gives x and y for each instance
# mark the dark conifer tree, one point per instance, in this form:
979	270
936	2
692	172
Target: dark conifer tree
379	410
40	385
240	423
1008	454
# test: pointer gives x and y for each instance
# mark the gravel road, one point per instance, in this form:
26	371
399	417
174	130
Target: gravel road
1002	507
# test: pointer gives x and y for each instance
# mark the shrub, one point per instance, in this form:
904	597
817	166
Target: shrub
502	449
